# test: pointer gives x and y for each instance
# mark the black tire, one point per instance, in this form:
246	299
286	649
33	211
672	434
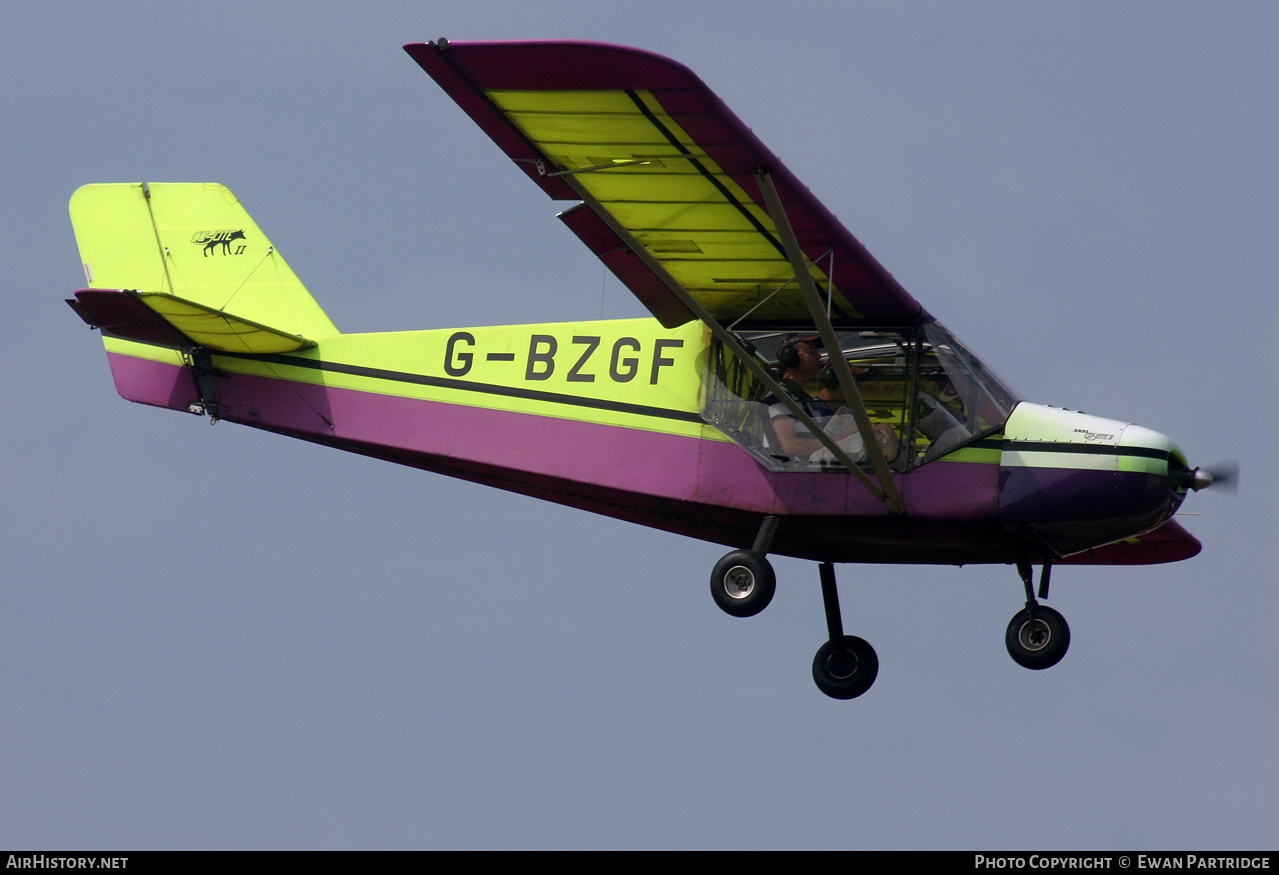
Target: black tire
845	668
743	583
1039	645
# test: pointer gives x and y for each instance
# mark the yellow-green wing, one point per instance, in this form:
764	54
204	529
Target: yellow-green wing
668	179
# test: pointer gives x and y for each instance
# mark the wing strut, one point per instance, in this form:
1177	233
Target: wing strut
812	299
893	498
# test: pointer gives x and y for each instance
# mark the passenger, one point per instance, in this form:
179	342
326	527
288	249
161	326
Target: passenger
885	435
801	360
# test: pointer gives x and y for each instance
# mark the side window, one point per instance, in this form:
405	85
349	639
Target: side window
925	395
965	390
735	403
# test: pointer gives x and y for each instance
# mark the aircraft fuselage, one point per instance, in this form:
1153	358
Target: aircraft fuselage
607	416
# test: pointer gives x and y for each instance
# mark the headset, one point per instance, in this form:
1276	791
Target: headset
788	349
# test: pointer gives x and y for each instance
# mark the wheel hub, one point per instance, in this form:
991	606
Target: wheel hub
739	582
1035	635
841	665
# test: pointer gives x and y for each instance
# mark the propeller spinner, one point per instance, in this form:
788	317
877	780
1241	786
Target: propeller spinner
1222	475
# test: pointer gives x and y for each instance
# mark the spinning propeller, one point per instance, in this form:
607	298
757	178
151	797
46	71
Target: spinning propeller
1222	475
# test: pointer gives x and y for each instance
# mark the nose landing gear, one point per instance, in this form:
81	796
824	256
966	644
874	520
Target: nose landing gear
1037	636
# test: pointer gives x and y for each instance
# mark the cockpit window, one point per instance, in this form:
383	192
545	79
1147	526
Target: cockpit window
925	393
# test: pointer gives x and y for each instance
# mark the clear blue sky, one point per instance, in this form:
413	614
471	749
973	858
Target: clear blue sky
214	637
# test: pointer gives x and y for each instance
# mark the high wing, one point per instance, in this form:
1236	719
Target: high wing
680	200
674	186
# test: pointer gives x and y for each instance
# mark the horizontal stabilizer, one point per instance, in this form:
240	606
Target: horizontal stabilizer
167	320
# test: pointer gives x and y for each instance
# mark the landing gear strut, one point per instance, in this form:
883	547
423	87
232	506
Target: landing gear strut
743	584
1037	636
845	666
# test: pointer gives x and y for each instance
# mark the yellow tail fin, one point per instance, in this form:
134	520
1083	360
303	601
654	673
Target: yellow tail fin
195	245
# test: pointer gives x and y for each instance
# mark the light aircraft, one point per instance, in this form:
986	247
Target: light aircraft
788	395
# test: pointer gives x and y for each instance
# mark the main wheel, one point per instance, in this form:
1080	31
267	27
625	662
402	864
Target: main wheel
1039	644
845	668
743	583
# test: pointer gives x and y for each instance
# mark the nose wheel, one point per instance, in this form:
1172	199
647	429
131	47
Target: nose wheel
1040	641
1037	636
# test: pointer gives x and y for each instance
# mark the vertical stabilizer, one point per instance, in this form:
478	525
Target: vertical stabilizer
193	241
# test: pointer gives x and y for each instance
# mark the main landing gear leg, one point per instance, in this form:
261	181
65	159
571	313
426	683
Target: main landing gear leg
1038	636
743	582
845	666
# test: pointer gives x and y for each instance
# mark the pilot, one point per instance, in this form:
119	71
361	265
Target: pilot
800	357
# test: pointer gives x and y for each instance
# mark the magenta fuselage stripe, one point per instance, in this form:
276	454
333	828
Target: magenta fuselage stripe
628	459
702	488
677	467
156	383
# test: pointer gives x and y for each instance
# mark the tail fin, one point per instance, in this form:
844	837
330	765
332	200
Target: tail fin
189	254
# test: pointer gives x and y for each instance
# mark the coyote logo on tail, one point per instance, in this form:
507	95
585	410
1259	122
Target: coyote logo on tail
211	240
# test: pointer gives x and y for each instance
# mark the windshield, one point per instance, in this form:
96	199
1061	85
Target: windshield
925	393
